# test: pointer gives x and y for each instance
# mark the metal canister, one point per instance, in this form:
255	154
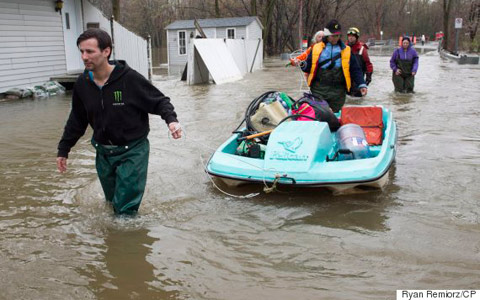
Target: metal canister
352	137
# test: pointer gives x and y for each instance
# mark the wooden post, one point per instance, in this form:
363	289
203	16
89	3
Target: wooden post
112	20
149	57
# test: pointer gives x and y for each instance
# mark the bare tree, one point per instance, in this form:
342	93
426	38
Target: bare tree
447	8
116	9
280	18
253	7
217	9
473	21
267	32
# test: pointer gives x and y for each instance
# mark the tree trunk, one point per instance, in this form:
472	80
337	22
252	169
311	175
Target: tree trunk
116	9
447	8
217	9
253	7
268	25
473	20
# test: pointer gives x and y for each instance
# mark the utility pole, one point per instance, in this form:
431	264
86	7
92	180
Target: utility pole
300	23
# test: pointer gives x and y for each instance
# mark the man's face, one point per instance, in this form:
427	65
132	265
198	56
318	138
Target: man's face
92	56
333	39
352	39
405	44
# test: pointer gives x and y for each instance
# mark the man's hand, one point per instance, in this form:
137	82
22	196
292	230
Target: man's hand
413	73
175	129
62	164
368	78
363	91
398	72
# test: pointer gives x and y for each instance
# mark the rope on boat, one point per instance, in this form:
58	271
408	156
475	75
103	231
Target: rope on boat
273	188
267	189
251	195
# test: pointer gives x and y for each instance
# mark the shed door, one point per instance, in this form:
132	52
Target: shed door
71	31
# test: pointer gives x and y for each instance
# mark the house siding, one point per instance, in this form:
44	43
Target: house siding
94	15
240	32
173	57
254	31
32	47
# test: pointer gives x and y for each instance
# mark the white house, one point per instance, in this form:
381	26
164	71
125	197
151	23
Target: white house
38	41
180	34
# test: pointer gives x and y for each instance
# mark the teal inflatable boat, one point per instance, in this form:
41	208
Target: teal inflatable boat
309	154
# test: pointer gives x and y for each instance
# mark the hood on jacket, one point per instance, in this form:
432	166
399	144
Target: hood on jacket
121	68
358	45
409	42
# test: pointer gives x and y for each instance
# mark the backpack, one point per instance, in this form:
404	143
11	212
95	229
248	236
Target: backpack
318	109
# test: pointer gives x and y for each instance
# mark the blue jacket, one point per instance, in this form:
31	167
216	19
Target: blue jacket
332	50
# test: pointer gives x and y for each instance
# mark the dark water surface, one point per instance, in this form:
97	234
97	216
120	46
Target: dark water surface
58	239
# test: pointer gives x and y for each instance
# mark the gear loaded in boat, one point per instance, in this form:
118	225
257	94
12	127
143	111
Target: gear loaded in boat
270	110
304	143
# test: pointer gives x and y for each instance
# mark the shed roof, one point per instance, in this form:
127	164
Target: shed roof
209	23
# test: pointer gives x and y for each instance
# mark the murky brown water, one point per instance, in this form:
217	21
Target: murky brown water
58	240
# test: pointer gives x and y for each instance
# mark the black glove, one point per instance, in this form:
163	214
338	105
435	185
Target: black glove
368	78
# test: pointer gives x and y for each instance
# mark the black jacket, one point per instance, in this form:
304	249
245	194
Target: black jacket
117	112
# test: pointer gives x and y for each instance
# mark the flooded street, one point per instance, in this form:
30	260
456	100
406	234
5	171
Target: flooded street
59	240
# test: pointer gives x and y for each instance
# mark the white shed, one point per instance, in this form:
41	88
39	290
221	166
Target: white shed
38	42
180	34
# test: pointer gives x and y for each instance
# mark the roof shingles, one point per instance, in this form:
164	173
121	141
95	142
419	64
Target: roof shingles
209	23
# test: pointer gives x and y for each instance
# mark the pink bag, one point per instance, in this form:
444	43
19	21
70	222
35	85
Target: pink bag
305	110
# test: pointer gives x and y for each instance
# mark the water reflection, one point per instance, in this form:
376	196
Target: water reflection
190	241
362	211
128	273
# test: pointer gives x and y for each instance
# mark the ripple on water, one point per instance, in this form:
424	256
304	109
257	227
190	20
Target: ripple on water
189	241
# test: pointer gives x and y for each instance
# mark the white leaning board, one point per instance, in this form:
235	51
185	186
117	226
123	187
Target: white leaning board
218	60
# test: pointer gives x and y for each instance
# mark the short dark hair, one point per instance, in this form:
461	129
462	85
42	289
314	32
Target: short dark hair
103	38
406	38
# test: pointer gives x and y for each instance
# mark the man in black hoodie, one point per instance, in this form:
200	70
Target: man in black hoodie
115	100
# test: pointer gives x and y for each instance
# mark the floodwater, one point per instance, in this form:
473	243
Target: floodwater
58	239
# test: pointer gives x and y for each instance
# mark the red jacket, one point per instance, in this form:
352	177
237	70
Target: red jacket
356	48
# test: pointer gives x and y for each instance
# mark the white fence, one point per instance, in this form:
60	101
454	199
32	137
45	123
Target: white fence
131	48
127	45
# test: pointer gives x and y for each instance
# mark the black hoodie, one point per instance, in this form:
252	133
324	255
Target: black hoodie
117	112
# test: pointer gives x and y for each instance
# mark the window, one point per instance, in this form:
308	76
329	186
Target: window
67	20
182	43
93	25
230	33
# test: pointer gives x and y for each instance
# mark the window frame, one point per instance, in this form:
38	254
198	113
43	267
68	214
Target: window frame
178	42
234	32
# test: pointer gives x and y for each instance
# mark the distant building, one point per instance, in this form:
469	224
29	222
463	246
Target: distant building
180	33
38	41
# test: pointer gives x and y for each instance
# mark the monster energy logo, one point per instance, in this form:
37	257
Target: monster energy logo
118	96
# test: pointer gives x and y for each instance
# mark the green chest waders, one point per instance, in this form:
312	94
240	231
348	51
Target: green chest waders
122	171
404	82
330	86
